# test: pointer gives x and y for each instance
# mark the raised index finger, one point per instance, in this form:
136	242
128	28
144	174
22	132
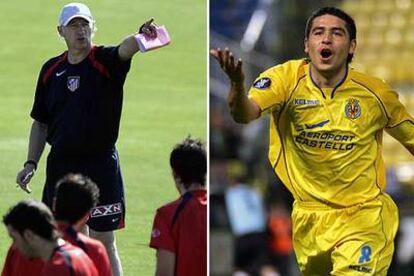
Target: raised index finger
148	23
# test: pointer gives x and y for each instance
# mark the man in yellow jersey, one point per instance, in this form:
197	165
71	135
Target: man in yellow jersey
326	128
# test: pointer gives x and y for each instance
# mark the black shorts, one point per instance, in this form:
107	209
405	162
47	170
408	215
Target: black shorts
105	171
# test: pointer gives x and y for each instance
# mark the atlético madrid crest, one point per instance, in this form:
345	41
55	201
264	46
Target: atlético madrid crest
73	83
353	109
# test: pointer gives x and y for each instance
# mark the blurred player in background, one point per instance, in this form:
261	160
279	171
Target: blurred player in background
75	196
33	230
77	109
179	232
326	131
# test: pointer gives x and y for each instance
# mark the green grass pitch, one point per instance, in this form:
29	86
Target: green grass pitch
165	100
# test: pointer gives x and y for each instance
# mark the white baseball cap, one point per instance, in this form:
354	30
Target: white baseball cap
74	10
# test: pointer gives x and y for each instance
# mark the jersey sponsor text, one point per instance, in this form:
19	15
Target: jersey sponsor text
325	140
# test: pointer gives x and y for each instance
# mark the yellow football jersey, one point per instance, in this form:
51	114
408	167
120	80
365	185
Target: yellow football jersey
325	144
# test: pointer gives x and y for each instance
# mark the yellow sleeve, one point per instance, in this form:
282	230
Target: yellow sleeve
400	123
269	91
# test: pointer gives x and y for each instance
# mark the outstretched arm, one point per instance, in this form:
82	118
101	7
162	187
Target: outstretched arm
242	109
37	141
129	46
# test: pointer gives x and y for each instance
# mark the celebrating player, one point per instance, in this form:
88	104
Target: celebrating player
325	145
77	109
179	233
33	229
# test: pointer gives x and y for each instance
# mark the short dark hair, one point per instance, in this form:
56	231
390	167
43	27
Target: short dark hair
75	196
188	160
32	215
349	22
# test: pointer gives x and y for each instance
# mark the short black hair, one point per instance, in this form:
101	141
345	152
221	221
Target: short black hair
32	215
188	161
349	22
75	196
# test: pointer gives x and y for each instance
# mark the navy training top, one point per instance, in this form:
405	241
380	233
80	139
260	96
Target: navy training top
81	103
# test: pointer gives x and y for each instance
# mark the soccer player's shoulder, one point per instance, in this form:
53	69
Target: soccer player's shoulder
94	249
51	61
168	209
102	51
50	65
90	242
170	205
287	74
373	84
291	68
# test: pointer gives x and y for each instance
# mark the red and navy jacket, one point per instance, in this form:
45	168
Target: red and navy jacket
68	260
93	248
181	228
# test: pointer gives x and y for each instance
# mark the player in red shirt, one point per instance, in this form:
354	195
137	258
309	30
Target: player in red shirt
69	260
16	264
33	229
72	214
179	232
75	196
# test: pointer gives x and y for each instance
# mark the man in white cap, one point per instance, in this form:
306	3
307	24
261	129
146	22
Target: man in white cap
77	109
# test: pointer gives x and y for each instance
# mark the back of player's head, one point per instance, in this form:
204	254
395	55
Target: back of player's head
32	215
349	22
188	161
75	196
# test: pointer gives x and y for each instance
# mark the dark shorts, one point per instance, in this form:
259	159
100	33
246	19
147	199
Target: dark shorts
104	170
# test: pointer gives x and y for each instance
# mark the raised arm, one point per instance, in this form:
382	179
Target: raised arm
37	141
129	46
242	109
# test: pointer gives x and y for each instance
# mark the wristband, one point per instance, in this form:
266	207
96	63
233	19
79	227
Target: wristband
32	162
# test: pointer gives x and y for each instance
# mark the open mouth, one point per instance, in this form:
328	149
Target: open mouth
326	53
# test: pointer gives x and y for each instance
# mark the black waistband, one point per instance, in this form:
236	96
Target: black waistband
66	153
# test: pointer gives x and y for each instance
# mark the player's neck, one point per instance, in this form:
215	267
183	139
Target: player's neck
328	79
76	226
48	248
76	56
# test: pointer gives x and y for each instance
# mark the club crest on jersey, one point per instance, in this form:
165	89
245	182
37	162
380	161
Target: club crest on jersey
353	109
155	233
73	83
262	83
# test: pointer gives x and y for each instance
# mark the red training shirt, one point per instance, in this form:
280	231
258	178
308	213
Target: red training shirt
68	260
16	264
181	227
93	248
